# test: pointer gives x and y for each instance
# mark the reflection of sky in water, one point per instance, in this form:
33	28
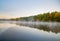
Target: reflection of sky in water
12	31
5	26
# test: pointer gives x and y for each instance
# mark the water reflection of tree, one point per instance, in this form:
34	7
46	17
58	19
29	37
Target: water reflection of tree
44	28
55	29
48	29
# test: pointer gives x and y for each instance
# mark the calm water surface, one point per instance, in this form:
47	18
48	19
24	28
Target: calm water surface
16	32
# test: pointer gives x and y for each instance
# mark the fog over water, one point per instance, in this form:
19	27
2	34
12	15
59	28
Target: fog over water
29	31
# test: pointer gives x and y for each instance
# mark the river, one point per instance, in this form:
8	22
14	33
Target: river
31	31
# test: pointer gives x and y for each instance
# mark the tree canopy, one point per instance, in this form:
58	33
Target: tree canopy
53	16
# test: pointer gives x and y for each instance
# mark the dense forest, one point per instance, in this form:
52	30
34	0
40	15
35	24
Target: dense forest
50	16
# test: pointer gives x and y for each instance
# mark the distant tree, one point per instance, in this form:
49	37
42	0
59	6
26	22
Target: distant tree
53	16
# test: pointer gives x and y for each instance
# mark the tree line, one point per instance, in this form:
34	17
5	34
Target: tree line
50	16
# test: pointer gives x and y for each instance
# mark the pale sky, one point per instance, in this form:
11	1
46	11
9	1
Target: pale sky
21	8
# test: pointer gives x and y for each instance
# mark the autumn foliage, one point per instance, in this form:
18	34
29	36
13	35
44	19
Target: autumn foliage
53	16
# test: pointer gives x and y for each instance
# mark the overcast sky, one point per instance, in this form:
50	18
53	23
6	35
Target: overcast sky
20	8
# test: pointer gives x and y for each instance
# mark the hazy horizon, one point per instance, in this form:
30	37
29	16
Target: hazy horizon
21	8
